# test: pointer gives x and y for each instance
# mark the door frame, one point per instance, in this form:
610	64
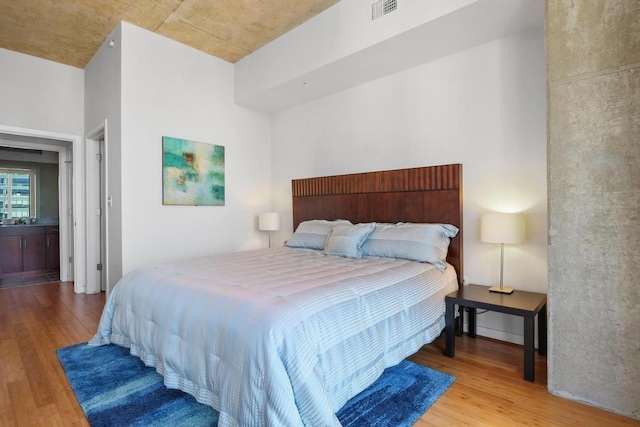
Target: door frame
93	202
71	202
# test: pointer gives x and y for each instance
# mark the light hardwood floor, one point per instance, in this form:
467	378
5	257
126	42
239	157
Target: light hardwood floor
488	391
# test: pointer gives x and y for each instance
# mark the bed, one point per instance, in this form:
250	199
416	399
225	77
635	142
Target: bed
285	336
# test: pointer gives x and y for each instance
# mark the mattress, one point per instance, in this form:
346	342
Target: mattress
276	337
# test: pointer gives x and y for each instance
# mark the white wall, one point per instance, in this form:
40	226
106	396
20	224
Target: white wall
169	89
338	32
484	108
342	48
103	100
43	101
40	94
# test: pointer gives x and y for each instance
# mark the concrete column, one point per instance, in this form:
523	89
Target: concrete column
593	53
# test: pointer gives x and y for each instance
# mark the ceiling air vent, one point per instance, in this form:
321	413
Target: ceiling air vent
382	7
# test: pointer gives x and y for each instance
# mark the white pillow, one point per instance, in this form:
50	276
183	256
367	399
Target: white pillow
313	234
412	241
346	240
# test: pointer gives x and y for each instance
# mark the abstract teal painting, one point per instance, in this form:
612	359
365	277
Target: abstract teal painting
192	173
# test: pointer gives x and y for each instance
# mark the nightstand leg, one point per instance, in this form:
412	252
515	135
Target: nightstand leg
529	357
449	322
542	331
472	322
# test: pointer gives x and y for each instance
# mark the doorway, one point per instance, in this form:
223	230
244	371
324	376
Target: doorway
71	189
29	194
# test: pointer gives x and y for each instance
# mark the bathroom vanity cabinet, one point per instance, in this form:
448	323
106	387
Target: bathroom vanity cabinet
25	248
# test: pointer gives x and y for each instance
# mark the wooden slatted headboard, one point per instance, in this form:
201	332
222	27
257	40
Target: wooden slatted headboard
427	194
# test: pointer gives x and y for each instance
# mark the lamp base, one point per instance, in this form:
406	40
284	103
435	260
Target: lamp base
500	290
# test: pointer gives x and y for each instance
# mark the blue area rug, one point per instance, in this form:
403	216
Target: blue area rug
117	389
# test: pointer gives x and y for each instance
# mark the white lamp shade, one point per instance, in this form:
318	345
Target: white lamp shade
269	221
502	228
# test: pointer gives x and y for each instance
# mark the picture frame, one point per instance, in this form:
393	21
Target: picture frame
193	173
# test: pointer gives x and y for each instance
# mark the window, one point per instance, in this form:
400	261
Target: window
17	193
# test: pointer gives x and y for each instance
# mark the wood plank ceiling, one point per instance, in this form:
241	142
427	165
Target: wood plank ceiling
72	31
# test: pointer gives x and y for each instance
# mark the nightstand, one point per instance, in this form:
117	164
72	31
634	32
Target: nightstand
519	303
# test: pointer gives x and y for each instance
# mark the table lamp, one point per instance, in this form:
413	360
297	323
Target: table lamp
269	221
502	228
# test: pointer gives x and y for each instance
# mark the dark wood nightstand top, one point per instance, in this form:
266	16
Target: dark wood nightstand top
521	303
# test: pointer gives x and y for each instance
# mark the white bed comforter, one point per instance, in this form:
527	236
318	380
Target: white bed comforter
276	337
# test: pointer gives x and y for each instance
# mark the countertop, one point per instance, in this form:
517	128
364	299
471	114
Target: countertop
28	225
